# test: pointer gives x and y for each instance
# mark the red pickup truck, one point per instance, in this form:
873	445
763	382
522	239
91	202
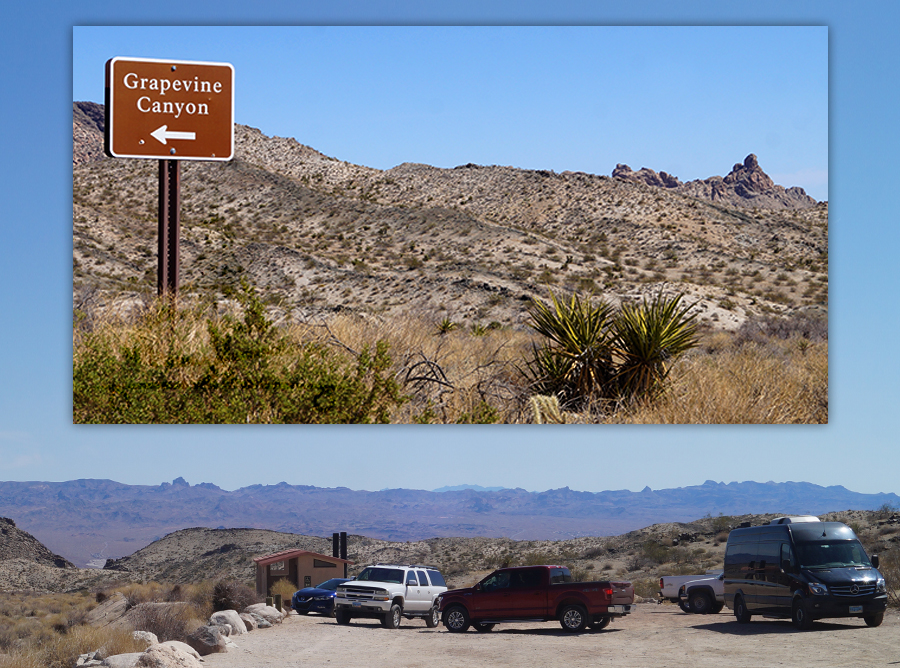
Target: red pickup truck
535	593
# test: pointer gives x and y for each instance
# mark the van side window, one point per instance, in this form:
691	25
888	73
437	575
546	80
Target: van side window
786	554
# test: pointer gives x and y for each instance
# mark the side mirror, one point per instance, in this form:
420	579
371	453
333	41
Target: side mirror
875	560
477	587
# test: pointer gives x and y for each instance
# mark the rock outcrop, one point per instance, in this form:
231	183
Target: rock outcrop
746	185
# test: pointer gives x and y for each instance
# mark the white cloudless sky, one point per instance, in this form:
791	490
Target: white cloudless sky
817	105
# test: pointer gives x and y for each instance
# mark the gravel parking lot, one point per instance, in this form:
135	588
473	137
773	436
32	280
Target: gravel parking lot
653	636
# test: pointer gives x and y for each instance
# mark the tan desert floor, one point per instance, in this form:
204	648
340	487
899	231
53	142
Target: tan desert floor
654	636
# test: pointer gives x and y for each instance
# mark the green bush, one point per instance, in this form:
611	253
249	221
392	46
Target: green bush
247	371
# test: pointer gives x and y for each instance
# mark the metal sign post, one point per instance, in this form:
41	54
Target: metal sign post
169	228
169	110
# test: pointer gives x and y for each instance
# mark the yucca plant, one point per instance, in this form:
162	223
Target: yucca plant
647	337
576	363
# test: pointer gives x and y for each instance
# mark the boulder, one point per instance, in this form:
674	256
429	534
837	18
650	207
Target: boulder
147	636
230	617
261	622
109	611
167	656
267	612
184	647
249	621
207	640
122	660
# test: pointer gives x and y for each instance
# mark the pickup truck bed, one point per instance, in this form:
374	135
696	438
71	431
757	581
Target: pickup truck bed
536	593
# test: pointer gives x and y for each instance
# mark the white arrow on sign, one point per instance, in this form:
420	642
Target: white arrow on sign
161	134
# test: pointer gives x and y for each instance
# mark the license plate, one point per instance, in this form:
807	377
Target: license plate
855	608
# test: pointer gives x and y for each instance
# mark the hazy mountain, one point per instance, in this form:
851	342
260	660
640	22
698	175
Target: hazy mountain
477	488
88	521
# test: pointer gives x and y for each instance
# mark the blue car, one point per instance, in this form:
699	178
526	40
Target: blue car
317	599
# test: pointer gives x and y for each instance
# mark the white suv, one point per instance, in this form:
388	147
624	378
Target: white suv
389	592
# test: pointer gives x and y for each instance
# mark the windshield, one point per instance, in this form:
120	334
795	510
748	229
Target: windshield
330	585
834	554
375	574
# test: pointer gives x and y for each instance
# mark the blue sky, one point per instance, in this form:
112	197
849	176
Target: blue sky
691	101
688	101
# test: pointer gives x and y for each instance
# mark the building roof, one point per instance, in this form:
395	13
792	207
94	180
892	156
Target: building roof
267	559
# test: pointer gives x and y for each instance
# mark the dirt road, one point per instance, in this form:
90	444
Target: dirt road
653	637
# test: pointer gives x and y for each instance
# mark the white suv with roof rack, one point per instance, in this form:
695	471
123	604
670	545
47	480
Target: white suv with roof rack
389	592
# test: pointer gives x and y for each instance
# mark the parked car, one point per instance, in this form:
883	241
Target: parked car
536	593
669	586
317	599
802	569
703	596
390	592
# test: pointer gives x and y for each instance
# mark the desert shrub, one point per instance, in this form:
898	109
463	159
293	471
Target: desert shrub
137	593
167	370
655	552
890	569
169	621
284	587
230	595
594	353
646	587
62	651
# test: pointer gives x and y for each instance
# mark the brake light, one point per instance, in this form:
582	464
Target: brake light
661	585
608	592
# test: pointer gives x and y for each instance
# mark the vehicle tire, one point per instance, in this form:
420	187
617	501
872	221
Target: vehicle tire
600	623
741	614
685	606
573	618
342	617
700	603
800	615
874	620
302	612
717	608
456	619
483	628
433	618
392	617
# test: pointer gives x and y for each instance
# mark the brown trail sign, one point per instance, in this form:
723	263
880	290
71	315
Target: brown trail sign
170	110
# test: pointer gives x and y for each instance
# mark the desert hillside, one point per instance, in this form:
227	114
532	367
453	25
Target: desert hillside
472	244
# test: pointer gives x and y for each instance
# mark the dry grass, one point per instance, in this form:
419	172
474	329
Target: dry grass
463	375
753	384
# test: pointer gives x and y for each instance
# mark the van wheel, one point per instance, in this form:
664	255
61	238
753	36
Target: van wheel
483	628
392	619
741	614
800	615
433	618
874	620
573	618
700	603
456	619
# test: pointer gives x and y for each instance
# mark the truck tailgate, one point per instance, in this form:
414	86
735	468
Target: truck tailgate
623	593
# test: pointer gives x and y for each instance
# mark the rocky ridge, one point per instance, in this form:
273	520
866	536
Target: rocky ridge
746	185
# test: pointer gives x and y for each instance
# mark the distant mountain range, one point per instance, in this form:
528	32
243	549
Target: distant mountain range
88	521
